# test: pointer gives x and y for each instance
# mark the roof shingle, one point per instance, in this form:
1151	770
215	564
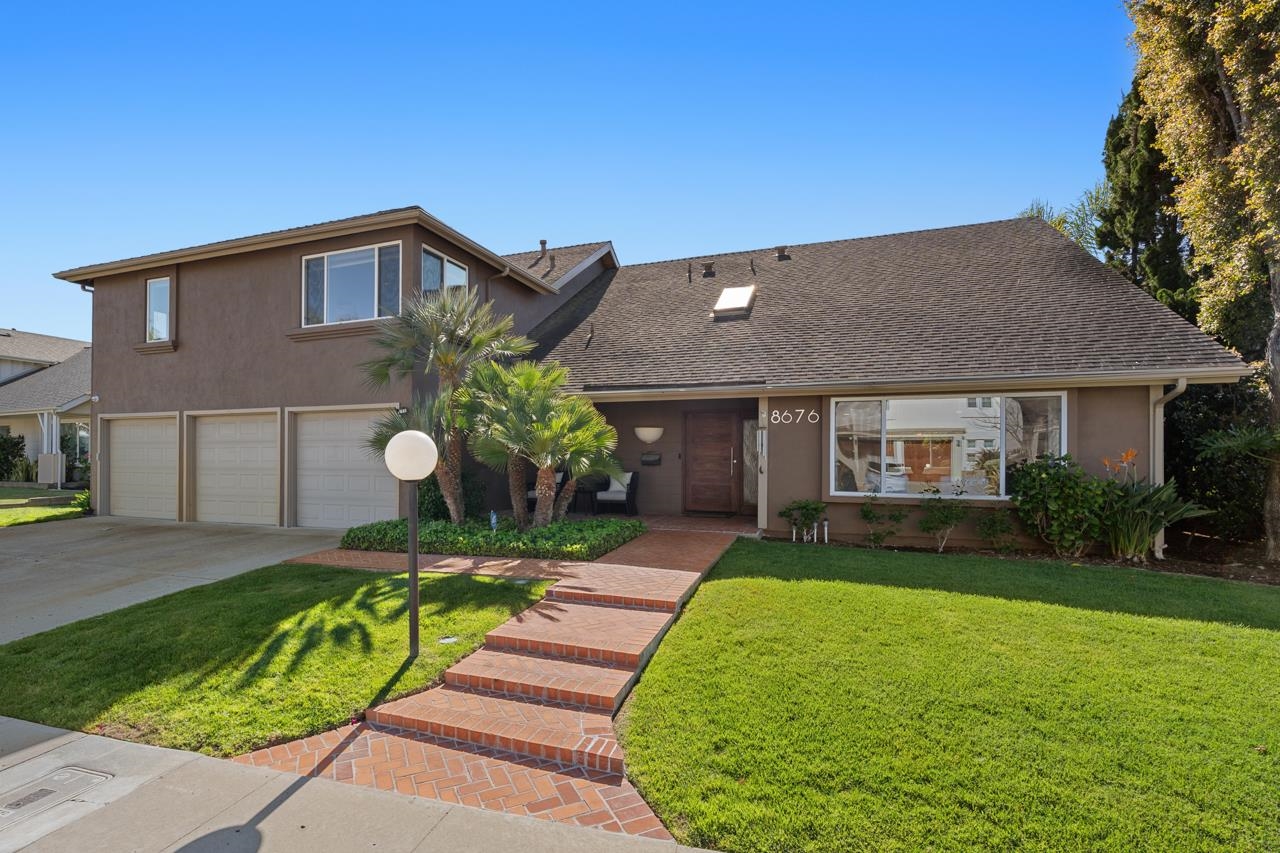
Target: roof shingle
567	257
50	388
44	349
996	300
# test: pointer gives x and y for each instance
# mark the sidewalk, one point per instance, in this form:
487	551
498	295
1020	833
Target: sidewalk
167	800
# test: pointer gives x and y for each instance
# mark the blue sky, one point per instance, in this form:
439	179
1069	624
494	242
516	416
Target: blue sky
673	130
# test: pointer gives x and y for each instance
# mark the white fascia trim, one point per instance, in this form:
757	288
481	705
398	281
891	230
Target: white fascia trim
991	383
576	270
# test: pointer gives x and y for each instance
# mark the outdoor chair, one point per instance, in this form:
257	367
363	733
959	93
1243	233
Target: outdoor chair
621	493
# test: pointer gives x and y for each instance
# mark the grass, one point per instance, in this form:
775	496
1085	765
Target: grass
817	698
10	495
12	517
275	654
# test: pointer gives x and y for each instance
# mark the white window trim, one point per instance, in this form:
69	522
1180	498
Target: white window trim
884	413
168	311
444	259
377	268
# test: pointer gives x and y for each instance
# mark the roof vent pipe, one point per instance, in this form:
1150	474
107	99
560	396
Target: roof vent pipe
544	249
552	265
691	273
708	269
782	253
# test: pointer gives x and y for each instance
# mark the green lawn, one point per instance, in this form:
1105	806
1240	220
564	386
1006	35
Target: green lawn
816	698
271	655
10	495
13	516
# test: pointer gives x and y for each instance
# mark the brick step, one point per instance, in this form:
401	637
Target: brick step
549	679
585	632
624	586
577	736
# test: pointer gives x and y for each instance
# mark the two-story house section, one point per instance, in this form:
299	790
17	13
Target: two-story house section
226	376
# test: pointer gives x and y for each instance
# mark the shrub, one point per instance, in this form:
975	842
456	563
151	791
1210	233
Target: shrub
996	526
881	524
1134	511
940	516
1060	502
13	451
431	505
561	540
802	515
81	502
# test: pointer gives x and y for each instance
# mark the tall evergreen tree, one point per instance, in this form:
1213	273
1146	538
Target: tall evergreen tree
1139	231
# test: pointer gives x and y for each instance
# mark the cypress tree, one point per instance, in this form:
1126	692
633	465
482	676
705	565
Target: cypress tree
1139	232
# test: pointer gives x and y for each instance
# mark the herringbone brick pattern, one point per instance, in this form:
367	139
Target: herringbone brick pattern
525	724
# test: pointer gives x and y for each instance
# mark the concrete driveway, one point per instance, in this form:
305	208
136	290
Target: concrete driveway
61	571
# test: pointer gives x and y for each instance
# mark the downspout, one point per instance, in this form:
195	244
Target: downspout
488	281
1157	448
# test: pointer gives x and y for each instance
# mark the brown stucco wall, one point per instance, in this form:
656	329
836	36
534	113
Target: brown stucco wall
660	490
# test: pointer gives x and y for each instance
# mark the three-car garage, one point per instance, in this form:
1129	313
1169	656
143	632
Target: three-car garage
303	468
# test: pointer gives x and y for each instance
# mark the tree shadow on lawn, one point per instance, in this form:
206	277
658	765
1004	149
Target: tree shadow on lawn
248	624
1113	589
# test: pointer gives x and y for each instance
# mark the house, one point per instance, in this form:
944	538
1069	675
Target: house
44	396
895	366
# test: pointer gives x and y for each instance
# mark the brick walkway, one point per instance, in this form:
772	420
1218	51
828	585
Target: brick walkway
525	724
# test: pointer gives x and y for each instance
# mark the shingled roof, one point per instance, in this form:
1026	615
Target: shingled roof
1003	300
39	349
566	257
51	388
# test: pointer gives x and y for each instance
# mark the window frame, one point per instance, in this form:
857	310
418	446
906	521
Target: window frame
444	259
168	310
377	269
997	399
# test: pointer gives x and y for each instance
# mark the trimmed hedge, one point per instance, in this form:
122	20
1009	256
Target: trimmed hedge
562	540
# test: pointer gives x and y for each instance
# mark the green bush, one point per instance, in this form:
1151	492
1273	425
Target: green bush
939	516
882	525
431	505
802	515
997	527
81	502
13	452
1060	501
561	540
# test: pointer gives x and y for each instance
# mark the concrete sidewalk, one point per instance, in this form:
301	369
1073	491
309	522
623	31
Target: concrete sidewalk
162	799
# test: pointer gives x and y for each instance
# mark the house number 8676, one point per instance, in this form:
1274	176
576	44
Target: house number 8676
794	416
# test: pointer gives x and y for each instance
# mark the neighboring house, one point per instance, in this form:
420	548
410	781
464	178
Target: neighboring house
44	393
893	366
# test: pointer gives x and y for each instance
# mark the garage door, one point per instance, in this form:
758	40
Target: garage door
338	483
237	469
143	473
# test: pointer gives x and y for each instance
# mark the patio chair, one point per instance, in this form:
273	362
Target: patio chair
621	492
532	494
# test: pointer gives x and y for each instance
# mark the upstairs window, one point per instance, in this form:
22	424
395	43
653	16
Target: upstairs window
354	284
438	271
157	309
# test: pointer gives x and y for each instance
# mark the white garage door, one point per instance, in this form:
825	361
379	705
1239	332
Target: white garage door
339	483
143	477
237	469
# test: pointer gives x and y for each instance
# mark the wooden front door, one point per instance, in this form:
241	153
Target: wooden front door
712	462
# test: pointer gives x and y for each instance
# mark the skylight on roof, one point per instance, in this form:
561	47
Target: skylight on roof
735	301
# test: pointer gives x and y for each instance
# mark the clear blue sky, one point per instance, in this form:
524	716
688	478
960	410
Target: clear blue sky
673	130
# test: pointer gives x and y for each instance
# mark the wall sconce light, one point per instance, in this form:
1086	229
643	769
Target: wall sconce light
649	435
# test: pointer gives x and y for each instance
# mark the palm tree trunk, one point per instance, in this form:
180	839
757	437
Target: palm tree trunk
516	471
450	476
546	491
565	498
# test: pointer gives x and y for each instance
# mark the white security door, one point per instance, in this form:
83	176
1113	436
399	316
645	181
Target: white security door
143	467
237	469
339	483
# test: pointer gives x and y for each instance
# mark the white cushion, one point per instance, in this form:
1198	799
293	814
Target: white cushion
616	495
616	485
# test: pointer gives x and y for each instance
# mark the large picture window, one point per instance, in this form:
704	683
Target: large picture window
952	446
355	284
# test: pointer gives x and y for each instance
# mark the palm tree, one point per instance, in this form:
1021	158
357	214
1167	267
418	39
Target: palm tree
521	416
501	403
445	334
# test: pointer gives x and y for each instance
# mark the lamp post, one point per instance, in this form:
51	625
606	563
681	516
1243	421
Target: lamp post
411	456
